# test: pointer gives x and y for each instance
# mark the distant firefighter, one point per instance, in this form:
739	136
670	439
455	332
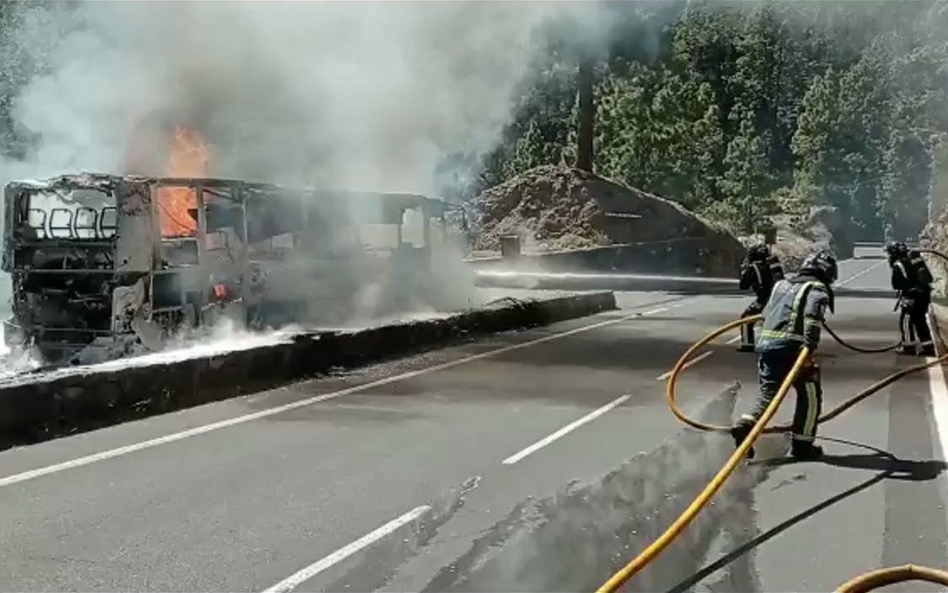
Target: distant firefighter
759	272
913	281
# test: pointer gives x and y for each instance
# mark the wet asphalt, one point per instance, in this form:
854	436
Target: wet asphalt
243	506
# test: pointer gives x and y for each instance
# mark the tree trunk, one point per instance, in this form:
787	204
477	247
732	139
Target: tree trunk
587	116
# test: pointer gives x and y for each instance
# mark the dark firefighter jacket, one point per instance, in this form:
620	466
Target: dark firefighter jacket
794	314
910	275
760	276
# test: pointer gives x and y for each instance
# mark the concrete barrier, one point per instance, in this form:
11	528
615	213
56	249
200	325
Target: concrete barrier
684	255
938	319
690	285
60	403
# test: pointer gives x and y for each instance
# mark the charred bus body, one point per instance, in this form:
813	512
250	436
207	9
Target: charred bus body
103	266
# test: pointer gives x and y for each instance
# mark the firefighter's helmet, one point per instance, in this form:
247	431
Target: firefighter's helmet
822	265
896	250
758	252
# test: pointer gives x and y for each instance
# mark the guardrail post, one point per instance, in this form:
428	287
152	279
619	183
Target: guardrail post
510	247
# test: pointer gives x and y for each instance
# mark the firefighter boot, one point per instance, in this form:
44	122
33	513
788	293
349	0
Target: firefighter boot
740	431
805	450
928	350
908	349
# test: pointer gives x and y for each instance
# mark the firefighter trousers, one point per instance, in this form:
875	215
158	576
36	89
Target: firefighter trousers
773	366
913	322
747	330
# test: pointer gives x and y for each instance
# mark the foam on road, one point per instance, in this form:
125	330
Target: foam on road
401	485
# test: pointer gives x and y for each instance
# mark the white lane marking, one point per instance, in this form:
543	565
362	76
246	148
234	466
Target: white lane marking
565	430
694	360
734	340
295	580
862	273
939	393
199	430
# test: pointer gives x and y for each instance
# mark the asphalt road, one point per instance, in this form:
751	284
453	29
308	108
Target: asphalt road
537	460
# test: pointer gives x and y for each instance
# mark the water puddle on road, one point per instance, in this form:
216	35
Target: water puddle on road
575	539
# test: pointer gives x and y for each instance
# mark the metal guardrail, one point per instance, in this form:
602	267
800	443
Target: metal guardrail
881	244
877	247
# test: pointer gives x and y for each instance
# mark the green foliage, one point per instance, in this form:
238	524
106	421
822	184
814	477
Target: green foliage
738	110
743	110
30	31
660	132
747	180
905	184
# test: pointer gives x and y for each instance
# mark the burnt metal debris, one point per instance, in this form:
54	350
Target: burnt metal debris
106	265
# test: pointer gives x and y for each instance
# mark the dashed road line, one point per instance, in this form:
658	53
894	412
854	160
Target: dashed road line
693	361
295	580
859	274
564	431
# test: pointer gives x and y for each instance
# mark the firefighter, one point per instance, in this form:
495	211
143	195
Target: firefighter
792	319
913	281
760	270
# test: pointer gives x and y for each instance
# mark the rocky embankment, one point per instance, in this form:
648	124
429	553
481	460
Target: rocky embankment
553	208
935	236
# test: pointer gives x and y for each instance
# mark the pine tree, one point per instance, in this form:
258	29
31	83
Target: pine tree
586	115
822	104
708	149
529	152
746	183
905	185
819	161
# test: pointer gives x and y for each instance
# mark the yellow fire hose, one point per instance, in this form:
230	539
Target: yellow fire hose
866	582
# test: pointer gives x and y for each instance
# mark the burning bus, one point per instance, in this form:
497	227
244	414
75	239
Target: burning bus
111	265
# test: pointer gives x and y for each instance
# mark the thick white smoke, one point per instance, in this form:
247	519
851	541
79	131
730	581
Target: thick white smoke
360	95
366	94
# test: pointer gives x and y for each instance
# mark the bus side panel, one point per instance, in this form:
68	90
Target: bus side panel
137	232
10	196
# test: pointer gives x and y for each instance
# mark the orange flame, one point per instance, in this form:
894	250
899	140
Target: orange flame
188	157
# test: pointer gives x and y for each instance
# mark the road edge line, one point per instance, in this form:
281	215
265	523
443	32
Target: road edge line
938	387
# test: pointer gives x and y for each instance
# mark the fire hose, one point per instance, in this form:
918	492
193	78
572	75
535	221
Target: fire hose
860	349
934	252
860	584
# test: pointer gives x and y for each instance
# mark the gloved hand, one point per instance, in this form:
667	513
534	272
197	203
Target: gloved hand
810	369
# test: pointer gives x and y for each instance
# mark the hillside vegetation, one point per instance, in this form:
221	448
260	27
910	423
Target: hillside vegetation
742	111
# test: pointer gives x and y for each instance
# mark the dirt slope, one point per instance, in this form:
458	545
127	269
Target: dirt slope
557	207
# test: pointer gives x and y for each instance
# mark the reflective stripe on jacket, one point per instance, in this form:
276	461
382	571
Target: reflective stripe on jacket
760	276
794	314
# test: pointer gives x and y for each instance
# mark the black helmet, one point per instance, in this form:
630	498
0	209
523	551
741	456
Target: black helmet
758	252
821	265
896	250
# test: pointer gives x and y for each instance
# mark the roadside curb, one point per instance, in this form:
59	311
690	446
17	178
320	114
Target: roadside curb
938	320
64	404
634	282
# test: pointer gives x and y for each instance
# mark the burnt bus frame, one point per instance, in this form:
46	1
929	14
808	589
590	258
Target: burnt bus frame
136	241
